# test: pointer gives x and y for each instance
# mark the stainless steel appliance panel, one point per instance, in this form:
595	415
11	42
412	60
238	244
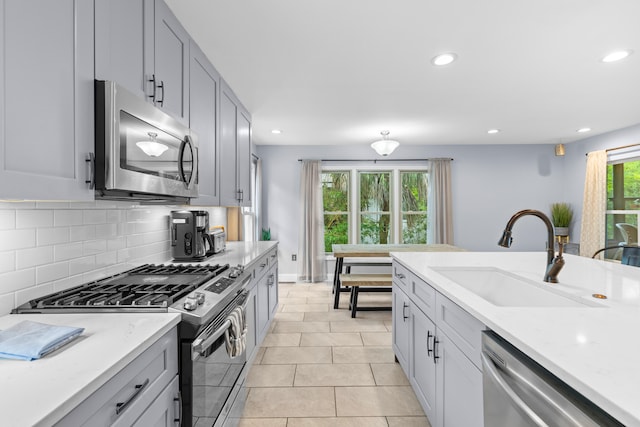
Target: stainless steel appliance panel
140	150
518	392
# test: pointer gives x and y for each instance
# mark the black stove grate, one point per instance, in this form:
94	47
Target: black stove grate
154	286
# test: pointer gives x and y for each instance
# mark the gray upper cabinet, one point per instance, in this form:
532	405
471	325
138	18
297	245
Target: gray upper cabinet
142	46
46	98
203	89
171	60
124	43
235	150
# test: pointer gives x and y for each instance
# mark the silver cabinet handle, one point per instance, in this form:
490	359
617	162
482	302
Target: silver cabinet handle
178	419
404	316
121	406
270	280
400	276
523	408
429	336
91	159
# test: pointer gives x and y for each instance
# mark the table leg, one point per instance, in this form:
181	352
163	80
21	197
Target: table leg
336	282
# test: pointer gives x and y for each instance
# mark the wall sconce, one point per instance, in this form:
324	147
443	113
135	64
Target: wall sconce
559	149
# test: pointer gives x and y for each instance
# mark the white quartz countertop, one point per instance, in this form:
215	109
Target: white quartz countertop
596	350
41	392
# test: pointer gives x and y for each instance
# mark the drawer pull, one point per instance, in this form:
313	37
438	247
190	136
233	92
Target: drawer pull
400	276
121	406
429	350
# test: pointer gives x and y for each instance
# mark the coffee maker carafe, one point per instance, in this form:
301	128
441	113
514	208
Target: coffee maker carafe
190	238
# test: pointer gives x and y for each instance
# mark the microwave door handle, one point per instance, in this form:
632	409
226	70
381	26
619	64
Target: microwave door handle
187	144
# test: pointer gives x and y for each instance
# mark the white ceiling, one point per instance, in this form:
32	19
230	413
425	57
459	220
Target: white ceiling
340	71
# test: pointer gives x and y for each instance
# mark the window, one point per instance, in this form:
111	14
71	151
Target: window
623	202
374	206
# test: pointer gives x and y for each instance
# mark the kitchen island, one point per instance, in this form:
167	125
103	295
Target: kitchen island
592	346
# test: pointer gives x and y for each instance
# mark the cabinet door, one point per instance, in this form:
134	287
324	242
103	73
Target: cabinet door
46	98
171	60
252	327
459	387
262	311
124	43
243	152
228	131
272	284
203	89
164	411
423	368
400	308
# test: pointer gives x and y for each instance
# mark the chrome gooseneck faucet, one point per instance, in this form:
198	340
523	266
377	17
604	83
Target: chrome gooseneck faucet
554	263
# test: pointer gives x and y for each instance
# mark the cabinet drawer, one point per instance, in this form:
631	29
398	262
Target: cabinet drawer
463	329
423	295
401	276
261	267
122	399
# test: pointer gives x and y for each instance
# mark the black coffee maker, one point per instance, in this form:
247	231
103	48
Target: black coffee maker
190	240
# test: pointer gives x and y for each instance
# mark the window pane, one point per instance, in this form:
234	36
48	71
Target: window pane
414	228
414	191
335	199
375	228
374	191
336	231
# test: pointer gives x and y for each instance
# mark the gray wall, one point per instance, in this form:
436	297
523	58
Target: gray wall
490	183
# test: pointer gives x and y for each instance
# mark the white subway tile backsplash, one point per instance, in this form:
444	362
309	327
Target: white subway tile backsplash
7	219
17	280
67	217
52	246
52	236
52	272
26	258
7	263
17	239
34	218
68	251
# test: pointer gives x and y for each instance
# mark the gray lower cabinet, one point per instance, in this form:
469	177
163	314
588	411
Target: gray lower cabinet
46	99
145	392
251	316
441	344
235	150
266	293
204	82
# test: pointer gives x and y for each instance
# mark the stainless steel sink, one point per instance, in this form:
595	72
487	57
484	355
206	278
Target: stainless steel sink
502	288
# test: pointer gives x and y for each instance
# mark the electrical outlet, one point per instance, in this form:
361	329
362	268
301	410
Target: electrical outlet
294	257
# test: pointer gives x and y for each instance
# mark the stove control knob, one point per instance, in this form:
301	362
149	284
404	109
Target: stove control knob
190	303
200	298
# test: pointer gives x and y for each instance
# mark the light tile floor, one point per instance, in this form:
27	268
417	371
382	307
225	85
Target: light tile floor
318	367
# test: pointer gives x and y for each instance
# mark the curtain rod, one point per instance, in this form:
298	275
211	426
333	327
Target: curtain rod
370	160
618	148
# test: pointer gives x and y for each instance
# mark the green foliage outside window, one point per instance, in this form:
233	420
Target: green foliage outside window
623	193
335	195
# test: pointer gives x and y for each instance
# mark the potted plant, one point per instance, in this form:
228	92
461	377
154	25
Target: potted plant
561	217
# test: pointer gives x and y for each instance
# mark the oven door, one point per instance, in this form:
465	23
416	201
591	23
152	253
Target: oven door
216	378
140	149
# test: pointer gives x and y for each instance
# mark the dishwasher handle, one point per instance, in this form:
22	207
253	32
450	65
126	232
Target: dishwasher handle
523	408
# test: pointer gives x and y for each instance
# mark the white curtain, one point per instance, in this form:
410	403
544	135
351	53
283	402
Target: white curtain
311	259
439	210
594	204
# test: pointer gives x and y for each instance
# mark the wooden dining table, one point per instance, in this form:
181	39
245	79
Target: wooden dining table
340	252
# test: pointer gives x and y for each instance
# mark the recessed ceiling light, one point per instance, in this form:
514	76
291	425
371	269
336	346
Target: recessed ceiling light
276	131
492	131
617	55
583	130
444	58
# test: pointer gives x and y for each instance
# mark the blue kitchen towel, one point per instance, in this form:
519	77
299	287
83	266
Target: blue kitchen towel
29	340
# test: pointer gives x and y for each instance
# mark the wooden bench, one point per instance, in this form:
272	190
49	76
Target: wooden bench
372	283
347	263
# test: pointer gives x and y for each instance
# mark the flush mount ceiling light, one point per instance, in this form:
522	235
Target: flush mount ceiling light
617	55
385	146
583	130
444	59
152	148
492	131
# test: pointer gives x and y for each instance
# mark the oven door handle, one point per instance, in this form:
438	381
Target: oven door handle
199	345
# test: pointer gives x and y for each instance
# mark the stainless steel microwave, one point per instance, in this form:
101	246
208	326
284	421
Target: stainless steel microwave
142	153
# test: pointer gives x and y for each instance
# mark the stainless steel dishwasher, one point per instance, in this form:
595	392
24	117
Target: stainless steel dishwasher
518	392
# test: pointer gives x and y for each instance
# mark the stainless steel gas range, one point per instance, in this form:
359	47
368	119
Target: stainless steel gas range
206	296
